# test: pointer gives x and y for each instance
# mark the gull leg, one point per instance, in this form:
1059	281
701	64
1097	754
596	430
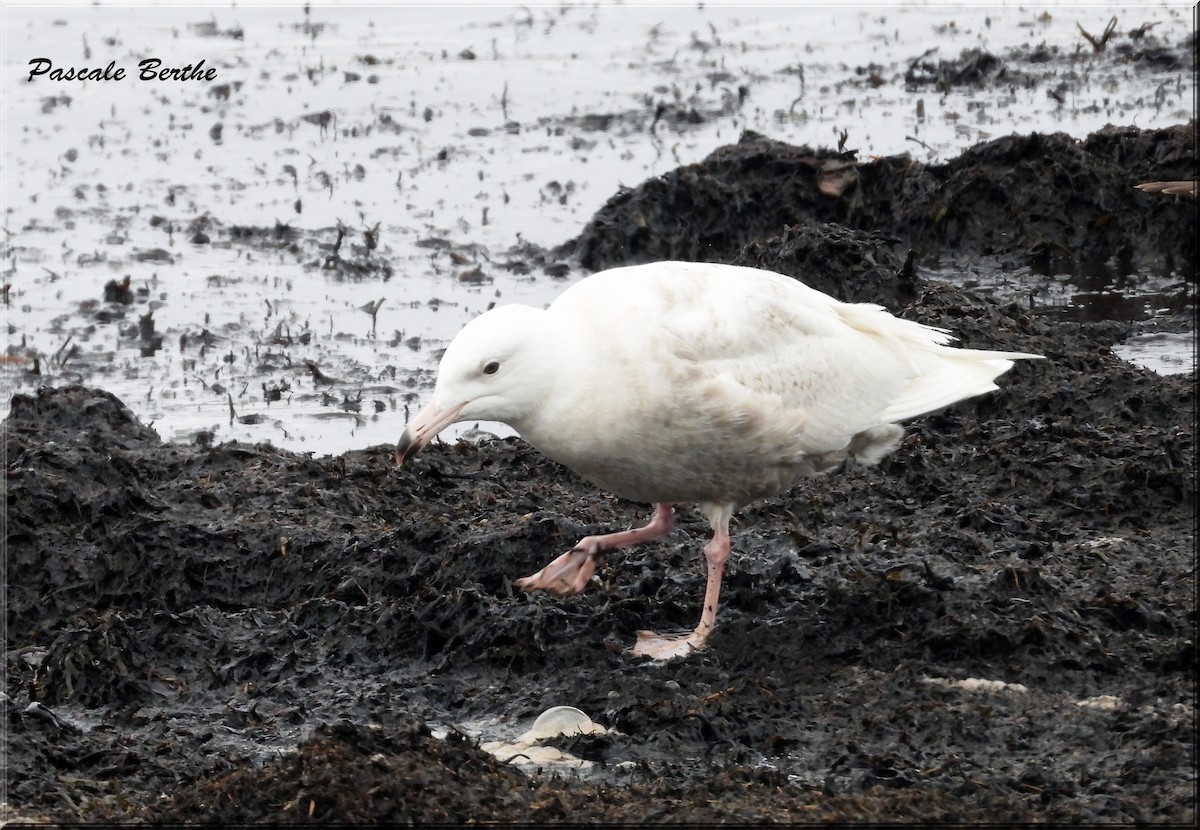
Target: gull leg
569	574
716	554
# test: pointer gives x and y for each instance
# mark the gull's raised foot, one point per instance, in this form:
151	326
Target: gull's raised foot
568	574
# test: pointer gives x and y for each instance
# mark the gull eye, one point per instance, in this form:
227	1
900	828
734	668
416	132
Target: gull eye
492	368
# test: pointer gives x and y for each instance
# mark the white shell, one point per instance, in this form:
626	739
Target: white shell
561	720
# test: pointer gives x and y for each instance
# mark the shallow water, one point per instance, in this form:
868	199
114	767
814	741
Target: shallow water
457	158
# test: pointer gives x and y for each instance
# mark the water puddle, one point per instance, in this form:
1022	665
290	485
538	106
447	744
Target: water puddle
1166	353
1096	293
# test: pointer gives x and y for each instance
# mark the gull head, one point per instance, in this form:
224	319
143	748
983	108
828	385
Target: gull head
498	368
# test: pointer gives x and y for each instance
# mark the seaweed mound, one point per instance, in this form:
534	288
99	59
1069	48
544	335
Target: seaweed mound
1046	200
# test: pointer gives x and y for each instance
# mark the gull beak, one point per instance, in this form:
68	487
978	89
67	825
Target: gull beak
422	429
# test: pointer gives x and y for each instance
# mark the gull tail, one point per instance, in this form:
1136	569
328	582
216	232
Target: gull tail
957	374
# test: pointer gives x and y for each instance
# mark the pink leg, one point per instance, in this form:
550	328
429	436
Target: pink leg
716	554
569	574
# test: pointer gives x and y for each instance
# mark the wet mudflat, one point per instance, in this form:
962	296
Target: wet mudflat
996	624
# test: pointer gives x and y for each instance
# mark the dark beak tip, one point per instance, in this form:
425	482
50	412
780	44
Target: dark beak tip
406	448
404	451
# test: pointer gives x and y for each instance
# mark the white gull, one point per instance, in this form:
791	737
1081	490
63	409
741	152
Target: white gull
695	382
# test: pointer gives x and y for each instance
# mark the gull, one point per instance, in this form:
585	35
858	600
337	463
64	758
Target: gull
683	382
